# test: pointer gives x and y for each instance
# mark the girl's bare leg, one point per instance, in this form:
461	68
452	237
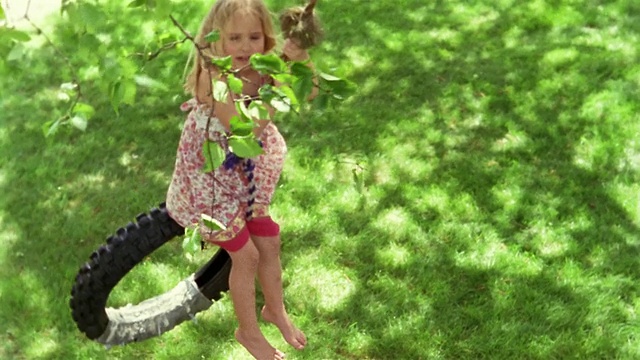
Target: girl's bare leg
270	277
243	294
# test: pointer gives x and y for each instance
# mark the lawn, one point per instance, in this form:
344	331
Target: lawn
477	198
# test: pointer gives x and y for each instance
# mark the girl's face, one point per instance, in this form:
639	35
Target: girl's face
242	37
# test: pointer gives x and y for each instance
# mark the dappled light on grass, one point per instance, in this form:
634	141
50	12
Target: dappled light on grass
8	236
489	252
358	341
146	280
393	255
549	240
397	224
477	198
42	346
34	310
320	286
628	196
511	141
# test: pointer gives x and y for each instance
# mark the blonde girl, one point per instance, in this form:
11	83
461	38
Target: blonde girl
251	237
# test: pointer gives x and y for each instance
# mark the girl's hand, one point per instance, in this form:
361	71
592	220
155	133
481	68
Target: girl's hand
294	52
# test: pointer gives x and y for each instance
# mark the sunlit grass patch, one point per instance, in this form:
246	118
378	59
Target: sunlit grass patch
509	196
394	255
512	140
560	57
476	199
488	251
359	340
549	240
9	235
42	346
397	224
628	196
475	17
318	283
146	280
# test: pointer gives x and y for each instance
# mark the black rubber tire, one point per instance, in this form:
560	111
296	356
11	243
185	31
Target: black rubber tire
126	248
213	278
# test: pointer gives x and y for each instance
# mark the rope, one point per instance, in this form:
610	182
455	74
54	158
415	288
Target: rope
248	167
231	161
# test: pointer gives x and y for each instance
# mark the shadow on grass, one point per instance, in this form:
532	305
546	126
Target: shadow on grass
492	138
63	195
523	117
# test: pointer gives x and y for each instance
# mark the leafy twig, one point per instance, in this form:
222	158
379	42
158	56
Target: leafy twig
61	55
168	46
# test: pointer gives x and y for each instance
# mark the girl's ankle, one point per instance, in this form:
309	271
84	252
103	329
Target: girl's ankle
274	309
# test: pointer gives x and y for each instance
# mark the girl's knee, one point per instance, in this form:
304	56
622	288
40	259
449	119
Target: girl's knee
247	257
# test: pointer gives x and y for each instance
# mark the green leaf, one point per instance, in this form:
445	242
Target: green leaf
339	89
116	95
2	16
192	240
303	83
329	77
239	127
148	82
257	110
64	5
62	96
51	127
245	147
86	110
280	105
269	64
220	91
17	53
17	35
284	78
68	87
90	15
321	101
300	69
79	122
266	93
302	87
213	156
283	99
235	84
289	96
212	223
223	64
212	36
242	110
122	91
137	3
162	9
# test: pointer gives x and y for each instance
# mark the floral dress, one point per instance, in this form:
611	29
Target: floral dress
222	194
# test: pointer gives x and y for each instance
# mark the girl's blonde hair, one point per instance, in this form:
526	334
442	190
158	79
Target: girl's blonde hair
217	18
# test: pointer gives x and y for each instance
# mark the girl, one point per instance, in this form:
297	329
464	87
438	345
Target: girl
251	237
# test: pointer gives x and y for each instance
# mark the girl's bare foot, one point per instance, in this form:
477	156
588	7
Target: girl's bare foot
259	347
291	334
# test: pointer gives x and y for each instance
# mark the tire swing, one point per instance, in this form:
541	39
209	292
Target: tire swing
152	317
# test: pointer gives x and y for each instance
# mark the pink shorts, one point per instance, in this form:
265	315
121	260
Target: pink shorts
222	194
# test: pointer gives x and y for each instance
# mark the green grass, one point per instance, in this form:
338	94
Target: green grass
494	214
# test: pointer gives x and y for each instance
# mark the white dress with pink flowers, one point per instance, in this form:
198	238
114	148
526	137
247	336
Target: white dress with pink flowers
222	194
